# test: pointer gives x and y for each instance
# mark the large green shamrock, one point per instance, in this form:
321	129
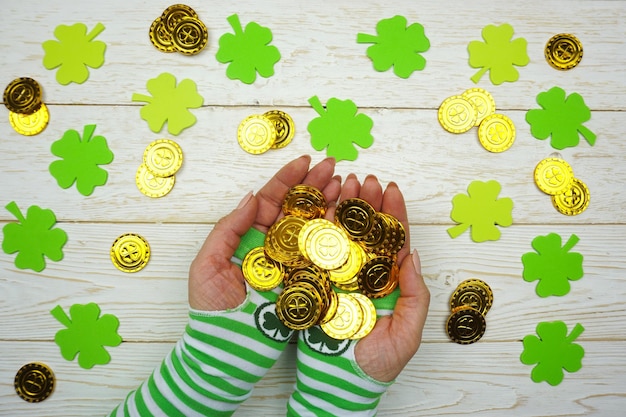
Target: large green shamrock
498	54
482	210
74	52
34	237
169	103
80	160
552	351
397	45
86	334
560	117
338	127
248	51
554	266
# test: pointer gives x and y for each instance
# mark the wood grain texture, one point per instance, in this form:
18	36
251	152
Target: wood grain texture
320	57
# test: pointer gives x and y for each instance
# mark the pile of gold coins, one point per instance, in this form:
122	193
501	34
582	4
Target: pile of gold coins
555	177
259	133
476	107
563	51
329	270
161	160
130	252
179	29
28	114
469	305
34	382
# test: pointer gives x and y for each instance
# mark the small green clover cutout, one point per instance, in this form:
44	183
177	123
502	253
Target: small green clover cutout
553	351
482	210
169	103
339	127
247	51
86	334
80	161
33	237
74	51
554	266
397	45
498	54
561	117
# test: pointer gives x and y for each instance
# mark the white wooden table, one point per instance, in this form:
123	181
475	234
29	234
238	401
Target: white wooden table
320	56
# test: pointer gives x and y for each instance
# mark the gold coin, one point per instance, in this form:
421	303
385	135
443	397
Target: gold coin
378	277
466	325
298	306
308	227
563	51
190	36
483	102
130	252
151	185
347	320
457	115
281	241
256	134
22	95
163	157
304	201
260	272
356	217
285	128
175	13
328	247
34	382
471	294
331	308
160	36
30	124
350	269
496	133
349	286
574	200
395	235
369	315
553	176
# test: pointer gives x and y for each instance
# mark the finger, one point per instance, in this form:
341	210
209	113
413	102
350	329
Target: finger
351	188
331	193
393	203
372	192
320	175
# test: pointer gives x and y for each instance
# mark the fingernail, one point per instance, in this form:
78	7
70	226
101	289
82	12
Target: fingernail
416	261
245	200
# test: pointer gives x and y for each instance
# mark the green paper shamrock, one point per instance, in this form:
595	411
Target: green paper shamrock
248	51
552	351
74	52
80	160
339	127
554	266
397	45
86	334
482	210
169	103
560	117
34	237
498	54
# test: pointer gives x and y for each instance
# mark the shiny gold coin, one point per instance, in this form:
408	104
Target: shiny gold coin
349	286
356	217
553	176
496	133
304	201
378	277
375	241
163	157
298	306
471	295
482	101
457	115
480	283
350	269
260	272
574	200
34	382
563	51
190	36
369	315
22	95
328	247
284	125
308	227
130	252
466	325
30	124
161	36
151	185
281	241
175	13
395	235
347	320
331	308
256	134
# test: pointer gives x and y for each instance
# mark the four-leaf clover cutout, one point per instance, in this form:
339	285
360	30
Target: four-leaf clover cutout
80	161
247	51
86	334
339	127
34	237
74	51
498	54
397	45
482	210
561	117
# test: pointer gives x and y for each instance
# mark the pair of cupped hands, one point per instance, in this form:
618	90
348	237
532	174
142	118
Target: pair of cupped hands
215	283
